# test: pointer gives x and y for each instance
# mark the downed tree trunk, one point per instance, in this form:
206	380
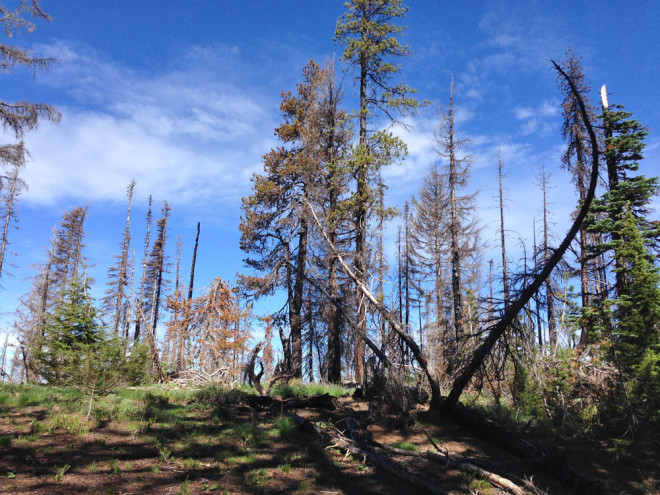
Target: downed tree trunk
365	452
360	443
356	431
552	463
461	464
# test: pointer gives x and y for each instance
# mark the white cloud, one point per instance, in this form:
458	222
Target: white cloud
185	134
540	119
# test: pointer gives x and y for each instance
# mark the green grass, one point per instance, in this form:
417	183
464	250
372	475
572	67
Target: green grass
248	434
4	398
217	395
60	471
37	427
296	388
191	463
405	446
70	423
285	426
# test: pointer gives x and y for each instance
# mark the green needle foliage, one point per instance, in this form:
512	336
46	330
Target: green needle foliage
75	350
631	312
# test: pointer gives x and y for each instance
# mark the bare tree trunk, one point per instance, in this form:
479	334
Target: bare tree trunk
45	289
183	335
333	317
123	262
549	291
160	260
9	209
360	261
4	355
295	305
139	304
129	301
505	275
311	337
453	227
192	264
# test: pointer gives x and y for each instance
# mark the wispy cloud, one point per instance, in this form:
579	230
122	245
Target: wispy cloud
183	133
541	119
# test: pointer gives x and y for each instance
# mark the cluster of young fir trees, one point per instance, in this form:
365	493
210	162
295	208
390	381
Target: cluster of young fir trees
65	339
313	227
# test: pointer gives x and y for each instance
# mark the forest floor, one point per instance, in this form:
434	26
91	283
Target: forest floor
181	441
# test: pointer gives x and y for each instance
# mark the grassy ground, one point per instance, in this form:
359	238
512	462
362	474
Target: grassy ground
153	440
175	440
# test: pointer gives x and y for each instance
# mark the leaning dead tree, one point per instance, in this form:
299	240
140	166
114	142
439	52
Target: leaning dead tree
511	311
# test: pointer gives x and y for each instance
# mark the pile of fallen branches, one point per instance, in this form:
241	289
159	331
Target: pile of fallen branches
221	376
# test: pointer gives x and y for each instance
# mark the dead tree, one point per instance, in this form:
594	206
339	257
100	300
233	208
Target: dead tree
512	311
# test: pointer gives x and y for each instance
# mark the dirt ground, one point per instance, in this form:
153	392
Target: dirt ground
236	449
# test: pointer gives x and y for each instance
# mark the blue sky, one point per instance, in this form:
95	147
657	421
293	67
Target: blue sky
183	96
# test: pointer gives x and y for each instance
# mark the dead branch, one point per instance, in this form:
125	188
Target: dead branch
201	377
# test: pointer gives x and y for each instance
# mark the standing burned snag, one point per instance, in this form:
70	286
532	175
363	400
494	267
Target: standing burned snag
116	301
11	186
18	117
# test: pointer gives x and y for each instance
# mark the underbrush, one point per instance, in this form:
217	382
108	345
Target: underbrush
296	388
577	403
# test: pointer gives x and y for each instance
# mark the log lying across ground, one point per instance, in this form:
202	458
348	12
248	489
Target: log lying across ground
325	401
357	441
551	462
363	451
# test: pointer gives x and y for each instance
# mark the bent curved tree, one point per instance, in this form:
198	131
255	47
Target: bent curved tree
512	311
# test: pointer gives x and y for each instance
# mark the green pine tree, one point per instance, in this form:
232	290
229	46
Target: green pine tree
631	313
75	350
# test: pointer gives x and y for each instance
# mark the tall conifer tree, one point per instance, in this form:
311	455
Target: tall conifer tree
369	32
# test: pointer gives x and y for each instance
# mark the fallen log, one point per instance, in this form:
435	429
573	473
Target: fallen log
459	463
360	436
368	455
551	462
